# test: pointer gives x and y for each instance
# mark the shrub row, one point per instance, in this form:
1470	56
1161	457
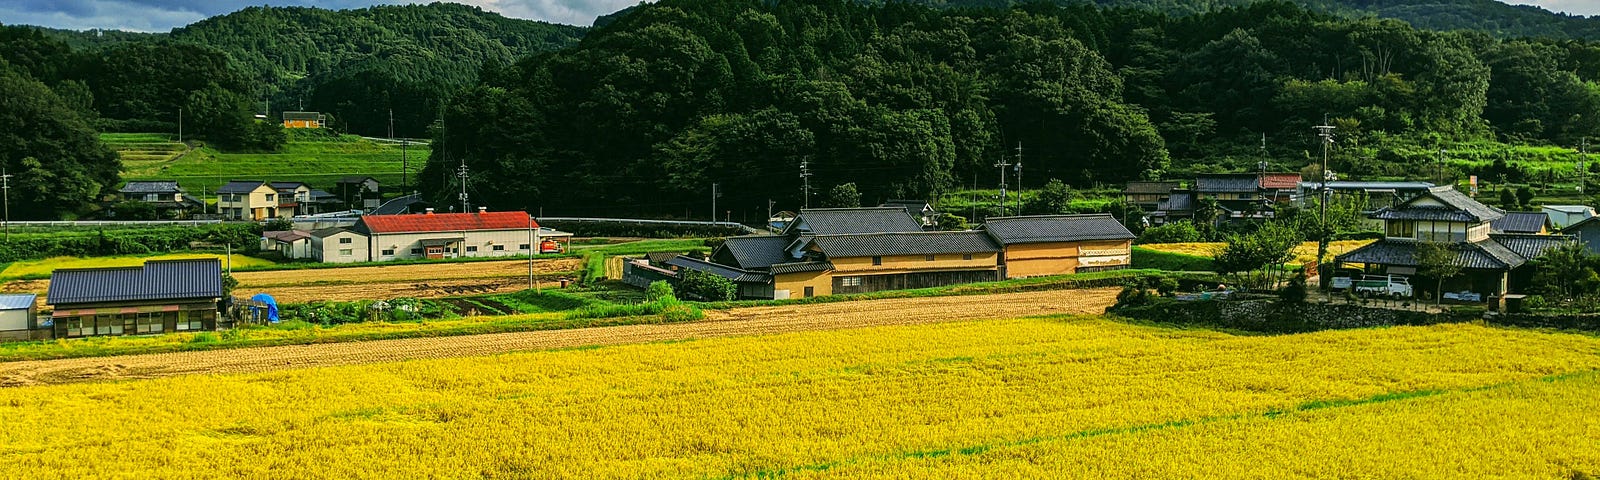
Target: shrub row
620	229
243	236
1176	262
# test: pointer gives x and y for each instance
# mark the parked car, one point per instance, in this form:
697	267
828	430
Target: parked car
1464	296
1383	285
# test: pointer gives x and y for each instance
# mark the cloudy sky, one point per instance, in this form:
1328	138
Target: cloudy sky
163	15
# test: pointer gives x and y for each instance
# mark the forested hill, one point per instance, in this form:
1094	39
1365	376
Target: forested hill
646	113
1490	16
357	64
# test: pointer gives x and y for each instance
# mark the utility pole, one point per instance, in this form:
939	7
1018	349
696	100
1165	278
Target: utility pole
5	184
391	124
805	174
1325	132
770	204
1583	158
714	195
1002	166
462	173
180	124
1019	177
532	247
403	165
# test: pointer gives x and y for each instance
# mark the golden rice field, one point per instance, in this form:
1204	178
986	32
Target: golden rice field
1077	397
1305	253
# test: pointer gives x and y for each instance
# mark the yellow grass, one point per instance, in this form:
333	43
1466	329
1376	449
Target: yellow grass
1305	253
1078	397
44	267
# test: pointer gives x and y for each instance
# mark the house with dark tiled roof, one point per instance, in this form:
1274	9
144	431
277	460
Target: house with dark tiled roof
165	195
918	209
1147	195
1060	244
1490	260
159	296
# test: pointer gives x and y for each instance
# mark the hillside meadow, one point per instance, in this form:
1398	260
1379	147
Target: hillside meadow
1072	396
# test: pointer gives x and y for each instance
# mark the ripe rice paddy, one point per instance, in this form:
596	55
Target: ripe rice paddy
1052	397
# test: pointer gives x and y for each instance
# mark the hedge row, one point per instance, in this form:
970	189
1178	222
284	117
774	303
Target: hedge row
243	236
1176	262
618	229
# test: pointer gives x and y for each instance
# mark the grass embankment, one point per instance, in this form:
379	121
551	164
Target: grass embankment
319	160
1057	282
41	269
1061	397
1303	254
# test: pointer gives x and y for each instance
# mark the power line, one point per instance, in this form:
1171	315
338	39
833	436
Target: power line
1002	166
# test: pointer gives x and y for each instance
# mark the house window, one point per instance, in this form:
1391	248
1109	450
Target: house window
416	251
498	248
388	252
811	292
188	321
346	252
472	248
151	197
1401	229
345	241
875	261
150	323
74	326
966	257
849	282
271	197
929	258
524	246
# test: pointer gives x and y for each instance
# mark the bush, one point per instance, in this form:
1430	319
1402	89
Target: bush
1176	262
1296	291
204	337
85	243
1181	231
649	230
708	287
658	291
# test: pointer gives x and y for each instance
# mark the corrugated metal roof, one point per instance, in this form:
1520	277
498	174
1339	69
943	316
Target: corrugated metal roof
755	251
1226	182
1569	208
735	274
1520	222
240	186
1354	185
904	243
1531	246
444	222
17	301
1149	187
840	221
156	280
1056	228
399	205
286	236
163	186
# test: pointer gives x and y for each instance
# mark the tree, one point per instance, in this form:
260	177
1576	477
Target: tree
1508	199
1437	260
1054	199
59	163
658	291
1567	272
1264	250
952	222
1524	197
843	196
1181	231
708	286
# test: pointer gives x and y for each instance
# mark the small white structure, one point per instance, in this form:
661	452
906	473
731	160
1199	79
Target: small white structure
1564	215
18	316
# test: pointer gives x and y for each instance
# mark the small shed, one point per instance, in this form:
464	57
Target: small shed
19	316
304	120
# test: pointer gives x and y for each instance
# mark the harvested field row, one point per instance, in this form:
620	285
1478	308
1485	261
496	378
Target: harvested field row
406	273
744	321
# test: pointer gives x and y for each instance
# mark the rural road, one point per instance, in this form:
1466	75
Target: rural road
742	321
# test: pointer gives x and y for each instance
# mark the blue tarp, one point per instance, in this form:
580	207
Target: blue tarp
271	309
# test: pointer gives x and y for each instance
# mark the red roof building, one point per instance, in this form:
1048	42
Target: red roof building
444	222
1280	181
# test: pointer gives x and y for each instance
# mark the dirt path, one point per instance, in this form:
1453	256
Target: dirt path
744	321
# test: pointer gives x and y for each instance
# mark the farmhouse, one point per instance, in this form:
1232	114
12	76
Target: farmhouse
1490	261
1060	244
166	196
160	296
857	250
247	200
292	244
338	245
19	316
1148	195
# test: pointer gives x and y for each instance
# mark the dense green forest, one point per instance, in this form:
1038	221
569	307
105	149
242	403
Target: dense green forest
908	101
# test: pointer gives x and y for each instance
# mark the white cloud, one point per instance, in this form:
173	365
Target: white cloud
1573	7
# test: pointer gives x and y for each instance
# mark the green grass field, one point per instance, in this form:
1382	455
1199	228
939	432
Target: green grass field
42	268
318	161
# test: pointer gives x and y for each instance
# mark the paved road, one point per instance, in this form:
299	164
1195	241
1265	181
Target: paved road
743	321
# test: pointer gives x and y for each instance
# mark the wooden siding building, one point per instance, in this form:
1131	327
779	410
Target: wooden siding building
304	120
160	296
1061	244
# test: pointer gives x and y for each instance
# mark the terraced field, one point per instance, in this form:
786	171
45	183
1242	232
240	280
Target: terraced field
318	162
144	155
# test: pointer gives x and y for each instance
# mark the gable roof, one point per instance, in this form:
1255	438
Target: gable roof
1569	208
331	231
903	243
159	186
288	185
1521	222
240	186
1458	208
1498	252
1280	180
286	236
17	301
1149	187
754	251
1225	182
1056	228
1531	246
1177	202
301	116
156	280
1580	224
734	274
356	179
840	221
444	222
